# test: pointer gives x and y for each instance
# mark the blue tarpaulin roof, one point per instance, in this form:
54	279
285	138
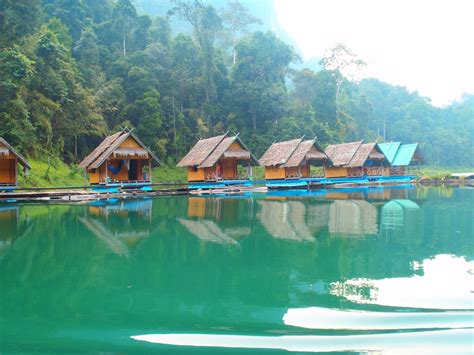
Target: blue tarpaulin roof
399	154
390	150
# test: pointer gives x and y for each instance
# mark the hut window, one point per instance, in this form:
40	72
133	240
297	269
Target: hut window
194	168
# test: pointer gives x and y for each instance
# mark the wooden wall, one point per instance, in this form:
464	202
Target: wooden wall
274	172
196	175
8	169
331	172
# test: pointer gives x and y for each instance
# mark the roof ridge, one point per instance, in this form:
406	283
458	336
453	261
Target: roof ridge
224	136
20	157
293	151
355	151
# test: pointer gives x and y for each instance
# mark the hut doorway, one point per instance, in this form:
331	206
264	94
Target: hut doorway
133	171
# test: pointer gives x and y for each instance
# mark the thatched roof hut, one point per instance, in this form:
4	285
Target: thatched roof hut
290	159
217	158
107	160
9	158
355	159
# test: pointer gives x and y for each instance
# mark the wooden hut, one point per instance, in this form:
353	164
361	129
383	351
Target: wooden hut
216	159
9	159
355	159
292	159
120	159
401	156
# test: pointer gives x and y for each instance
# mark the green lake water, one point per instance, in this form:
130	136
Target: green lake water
372	270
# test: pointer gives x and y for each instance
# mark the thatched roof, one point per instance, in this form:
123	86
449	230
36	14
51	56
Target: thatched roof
8	148
354	154
292	153
111	145
306	151
341	154
279	153
206	152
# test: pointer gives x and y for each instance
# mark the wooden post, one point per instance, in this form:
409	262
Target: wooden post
15	177
106	168
149	169
85	176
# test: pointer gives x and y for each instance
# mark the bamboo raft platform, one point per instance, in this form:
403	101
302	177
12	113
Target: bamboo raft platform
81	195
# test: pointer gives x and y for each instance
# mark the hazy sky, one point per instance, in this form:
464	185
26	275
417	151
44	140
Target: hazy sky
425	45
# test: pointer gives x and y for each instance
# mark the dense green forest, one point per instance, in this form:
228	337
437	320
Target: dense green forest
72	71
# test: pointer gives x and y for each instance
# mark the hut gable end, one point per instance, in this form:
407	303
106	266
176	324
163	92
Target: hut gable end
10	150
279	153
201	150
306	150
342	154
120	143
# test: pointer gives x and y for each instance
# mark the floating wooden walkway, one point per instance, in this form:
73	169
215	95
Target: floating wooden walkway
84	195
91	193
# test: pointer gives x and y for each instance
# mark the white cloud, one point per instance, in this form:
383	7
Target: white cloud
425	45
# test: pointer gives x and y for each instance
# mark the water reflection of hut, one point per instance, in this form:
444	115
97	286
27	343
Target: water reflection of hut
218	220
285	220
207	231
121	224
395	212
11	226
352	218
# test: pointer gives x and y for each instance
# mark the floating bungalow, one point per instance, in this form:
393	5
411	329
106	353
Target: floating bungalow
355	160
121	160
9	160
288	164
401	156
213	162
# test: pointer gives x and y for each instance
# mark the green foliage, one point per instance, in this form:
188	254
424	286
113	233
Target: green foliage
56	173
73	71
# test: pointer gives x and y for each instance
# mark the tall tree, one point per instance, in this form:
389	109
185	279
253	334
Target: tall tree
237	21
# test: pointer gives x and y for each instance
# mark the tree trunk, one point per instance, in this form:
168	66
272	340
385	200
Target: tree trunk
123	44
254	120
234	52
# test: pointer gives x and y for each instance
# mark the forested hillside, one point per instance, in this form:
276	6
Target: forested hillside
72	71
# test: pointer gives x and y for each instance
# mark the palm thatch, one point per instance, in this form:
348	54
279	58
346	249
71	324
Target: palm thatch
341	154
6	148
279	153
206	152
293	153
308	150
110	145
